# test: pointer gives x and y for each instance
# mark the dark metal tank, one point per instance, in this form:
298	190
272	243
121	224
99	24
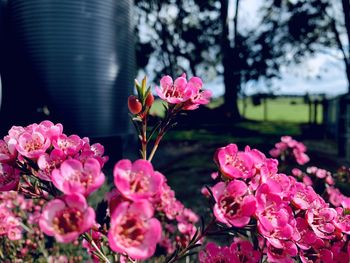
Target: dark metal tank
73	59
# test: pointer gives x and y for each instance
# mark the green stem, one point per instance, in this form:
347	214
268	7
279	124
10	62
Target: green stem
87	237
144	138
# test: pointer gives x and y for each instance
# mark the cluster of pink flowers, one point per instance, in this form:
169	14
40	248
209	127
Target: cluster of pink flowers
292	219
291	150
9	222
187	94
68	163
19	218
282	217
136	205
314	175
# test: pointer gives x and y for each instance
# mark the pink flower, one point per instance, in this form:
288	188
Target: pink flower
67	218
9	177
50	130
283	254
137	180
306	237
234	206
47	163
275	218
304	196
70	145
289	149
215	254
245	251
8	152
33	144
317	256
336	198
133	230
74	177
322	221
199	96
166	202
233	163
178	91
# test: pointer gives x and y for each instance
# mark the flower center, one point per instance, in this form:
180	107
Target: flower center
32	145
139	183
229	205
131	231
68	220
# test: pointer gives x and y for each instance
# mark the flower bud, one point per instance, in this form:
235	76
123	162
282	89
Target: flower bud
134	104
149	100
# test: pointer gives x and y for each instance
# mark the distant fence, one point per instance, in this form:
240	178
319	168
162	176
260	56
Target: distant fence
337	123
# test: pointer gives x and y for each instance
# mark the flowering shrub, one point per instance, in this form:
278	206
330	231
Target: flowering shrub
270	210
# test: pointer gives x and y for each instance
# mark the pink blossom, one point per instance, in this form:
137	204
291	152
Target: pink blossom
9	177
33	144
9	224
50	130
342	221
307	180
66	218
282	254
233	163
322	221
289	149
340	254
234	205
297	172
215	254
8	152
316	256
137	180
304	196
245	251
178	91
275	218
75	177
95	151
133	230
167	203
306	236
48	162
70	145
199	96
336	198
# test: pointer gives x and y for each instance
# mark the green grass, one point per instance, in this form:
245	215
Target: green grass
278	109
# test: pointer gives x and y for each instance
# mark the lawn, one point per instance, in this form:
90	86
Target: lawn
291	109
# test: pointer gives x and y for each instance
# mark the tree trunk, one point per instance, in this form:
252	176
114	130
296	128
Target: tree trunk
232	77
346	52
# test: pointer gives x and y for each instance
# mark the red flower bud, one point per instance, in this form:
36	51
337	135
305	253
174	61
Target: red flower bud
149	100
134	104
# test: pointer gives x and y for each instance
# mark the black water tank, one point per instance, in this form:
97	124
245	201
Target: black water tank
76	57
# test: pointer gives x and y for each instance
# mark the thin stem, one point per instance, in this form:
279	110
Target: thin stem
144	137
184	251
99	251
156	144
